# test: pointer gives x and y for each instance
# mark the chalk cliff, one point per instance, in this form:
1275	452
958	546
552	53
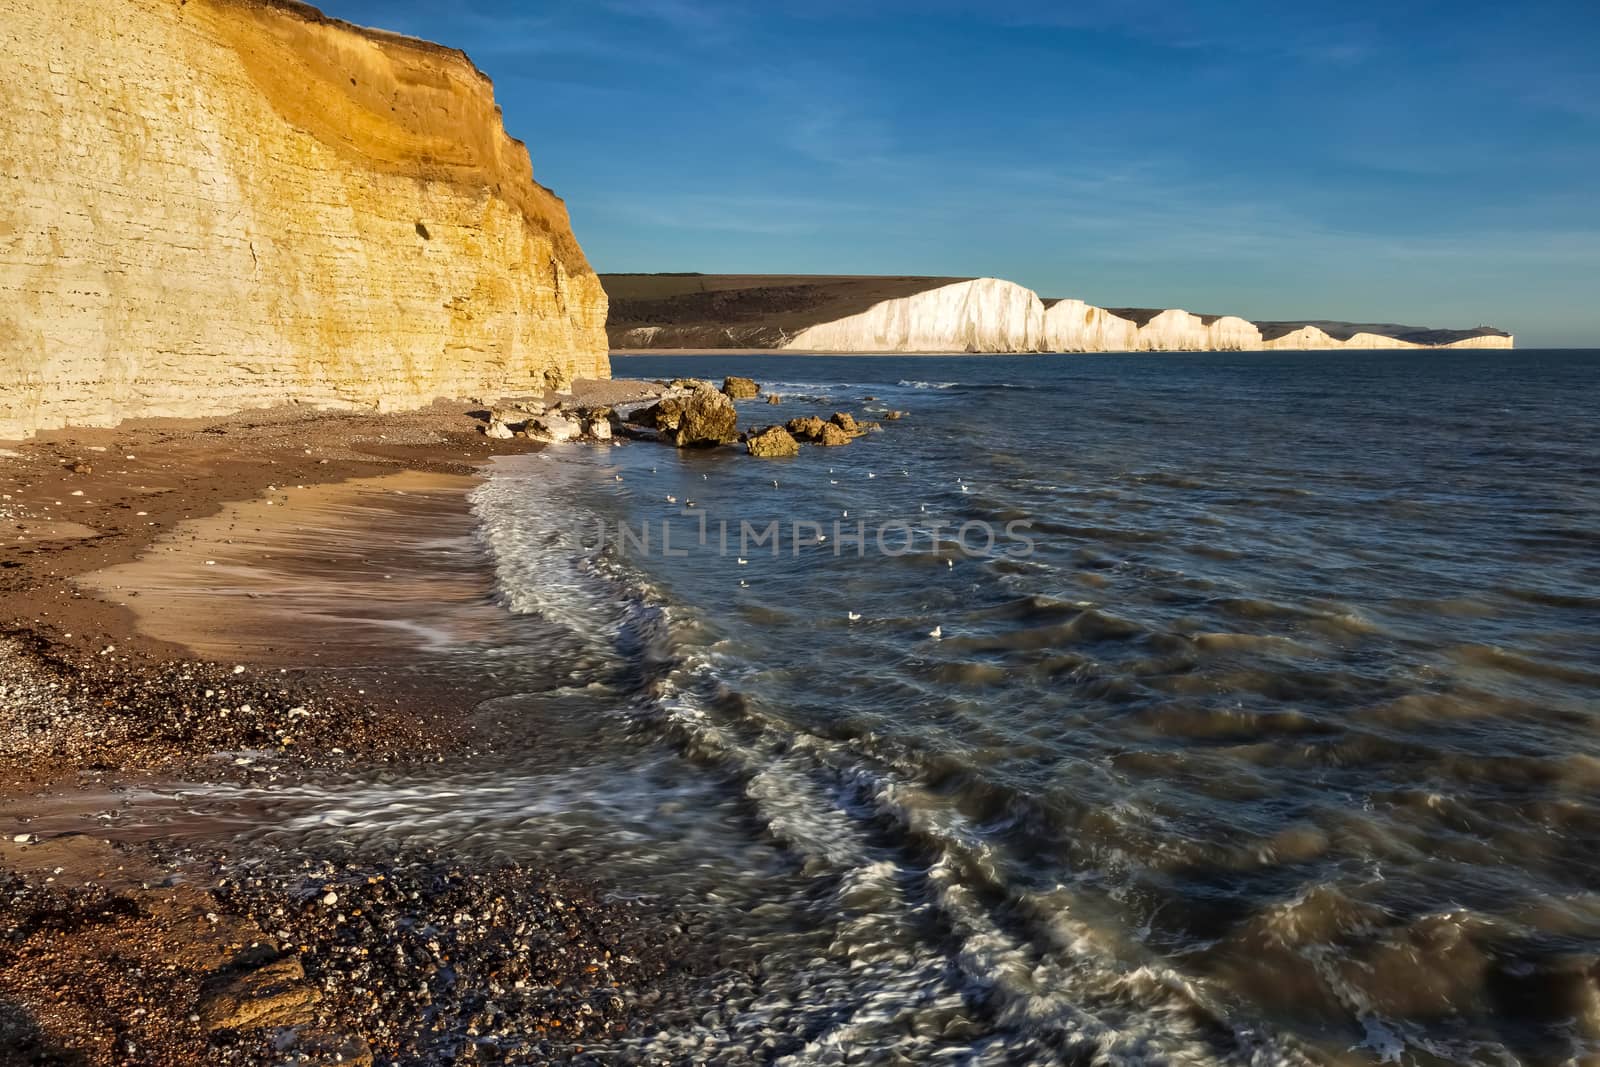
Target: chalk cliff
207	205
1073	326
982	315
839	313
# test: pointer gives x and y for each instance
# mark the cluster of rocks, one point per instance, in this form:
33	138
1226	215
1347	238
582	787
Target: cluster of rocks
697	414
555	423
775	441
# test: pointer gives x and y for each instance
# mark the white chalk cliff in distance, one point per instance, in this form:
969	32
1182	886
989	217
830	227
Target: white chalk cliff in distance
827	313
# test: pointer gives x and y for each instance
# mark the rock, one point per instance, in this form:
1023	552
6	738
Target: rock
832	436
774	398
806	427
704	417
599	429
498	430
894	416
740	388
518	410
554	428
273	995
771	442
687	385
846	422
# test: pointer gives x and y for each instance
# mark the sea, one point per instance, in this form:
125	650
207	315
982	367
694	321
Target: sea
1104	709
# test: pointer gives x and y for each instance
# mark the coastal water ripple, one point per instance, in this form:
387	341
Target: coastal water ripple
1276	744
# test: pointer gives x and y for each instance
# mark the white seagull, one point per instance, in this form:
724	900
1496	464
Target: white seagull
672	500
743	562
743	584
852	616
936	633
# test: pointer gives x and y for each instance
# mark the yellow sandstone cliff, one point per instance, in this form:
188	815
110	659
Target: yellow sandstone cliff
208	205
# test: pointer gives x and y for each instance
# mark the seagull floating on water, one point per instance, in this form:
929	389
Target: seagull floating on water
871	475
936	633
853	617
743	562
743	584
950	563
672	500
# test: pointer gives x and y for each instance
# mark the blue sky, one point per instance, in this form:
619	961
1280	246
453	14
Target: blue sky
1435	162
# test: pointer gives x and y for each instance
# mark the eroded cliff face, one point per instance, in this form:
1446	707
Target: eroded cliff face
1073	326
207	205
981	315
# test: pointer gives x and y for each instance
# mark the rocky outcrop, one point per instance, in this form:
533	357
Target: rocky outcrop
704	417
740	388
772	442
207	205
806	427
900	314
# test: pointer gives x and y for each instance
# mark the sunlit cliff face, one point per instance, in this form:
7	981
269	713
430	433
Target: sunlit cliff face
231	203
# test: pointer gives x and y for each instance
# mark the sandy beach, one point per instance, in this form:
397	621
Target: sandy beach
244	599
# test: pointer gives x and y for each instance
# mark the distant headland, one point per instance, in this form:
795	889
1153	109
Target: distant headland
870	313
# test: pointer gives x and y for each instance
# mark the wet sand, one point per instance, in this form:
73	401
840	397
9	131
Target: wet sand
240	598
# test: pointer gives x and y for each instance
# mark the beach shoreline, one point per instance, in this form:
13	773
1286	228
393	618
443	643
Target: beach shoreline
224	601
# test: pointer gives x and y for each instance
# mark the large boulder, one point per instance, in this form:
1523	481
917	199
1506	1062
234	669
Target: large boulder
740	388
846	422
832	436
498	430
806	427
554	428
704	417
771	442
